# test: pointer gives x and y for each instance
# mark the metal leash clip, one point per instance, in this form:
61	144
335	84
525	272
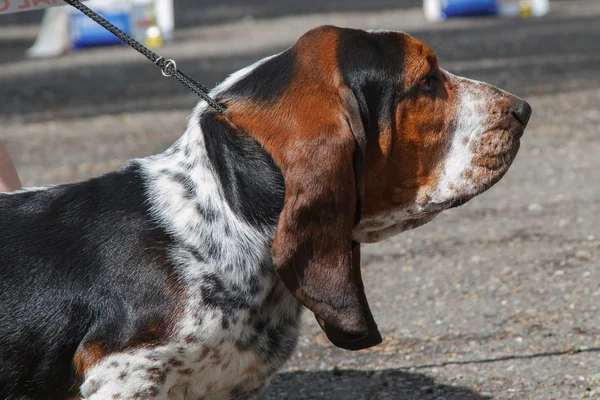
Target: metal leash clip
168	64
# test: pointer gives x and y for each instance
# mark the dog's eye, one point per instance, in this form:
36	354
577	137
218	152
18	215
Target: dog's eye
428	83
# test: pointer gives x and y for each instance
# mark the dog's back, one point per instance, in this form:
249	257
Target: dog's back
56	298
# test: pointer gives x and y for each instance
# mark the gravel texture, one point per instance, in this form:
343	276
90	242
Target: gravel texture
497	299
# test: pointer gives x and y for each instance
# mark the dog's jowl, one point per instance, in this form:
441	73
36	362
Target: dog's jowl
183	275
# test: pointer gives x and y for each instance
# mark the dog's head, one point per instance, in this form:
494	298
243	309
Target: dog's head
372	138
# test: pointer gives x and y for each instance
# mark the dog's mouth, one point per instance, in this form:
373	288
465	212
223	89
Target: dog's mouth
435	208
459	202
487	172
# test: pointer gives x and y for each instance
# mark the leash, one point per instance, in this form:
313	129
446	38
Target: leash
167	66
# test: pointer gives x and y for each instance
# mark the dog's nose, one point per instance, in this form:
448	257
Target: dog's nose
521	110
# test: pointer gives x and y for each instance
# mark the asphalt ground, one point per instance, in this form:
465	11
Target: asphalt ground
496	299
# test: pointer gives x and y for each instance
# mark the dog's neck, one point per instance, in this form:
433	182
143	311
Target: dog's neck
205	191
219	194
211	195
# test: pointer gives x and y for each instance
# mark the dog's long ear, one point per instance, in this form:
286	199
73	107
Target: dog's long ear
313	251
297	106
349	341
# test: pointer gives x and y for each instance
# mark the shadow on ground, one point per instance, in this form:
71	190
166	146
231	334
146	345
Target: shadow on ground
351	384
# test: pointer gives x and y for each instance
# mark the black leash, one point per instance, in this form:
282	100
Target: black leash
168	66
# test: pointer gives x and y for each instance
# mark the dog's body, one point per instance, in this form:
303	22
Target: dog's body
183	275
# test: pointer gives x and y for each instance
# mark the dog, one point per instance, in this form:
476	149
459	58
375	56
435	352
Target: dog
184	275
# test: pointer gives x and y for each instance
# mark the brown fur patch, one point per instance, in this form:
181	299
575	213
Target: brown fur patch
190	339
252	369
175	362
186	372
204	354
86	357
153	331
215	356
156	375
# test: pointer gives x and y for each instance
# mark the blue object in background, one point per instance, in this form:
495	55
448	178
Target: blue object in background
456	8
87	33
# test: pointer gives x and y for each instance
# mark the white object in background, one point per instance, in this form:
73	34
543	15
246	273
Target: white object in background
433	10
113	6
540	7
163	10
523	8
537	8
53	38
165	18
509	8
138	19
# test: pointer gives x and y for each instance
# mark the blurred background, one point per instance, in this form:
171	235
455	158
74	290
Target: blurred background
497	299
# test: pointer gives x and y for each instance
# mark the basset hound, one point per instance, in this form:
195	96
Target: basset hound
184	275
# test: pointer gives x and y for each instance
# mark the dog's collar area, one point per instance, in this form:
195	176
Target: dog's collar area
167	66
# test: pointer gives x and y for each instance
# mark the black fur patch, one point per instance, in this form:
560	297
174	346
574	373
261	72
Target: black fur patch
216	295
206	212
187	183
253	185
371	65
267	82
75	268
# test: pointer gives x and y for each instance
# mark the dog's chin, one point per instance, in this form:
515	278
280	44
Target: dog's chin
374	235
461	200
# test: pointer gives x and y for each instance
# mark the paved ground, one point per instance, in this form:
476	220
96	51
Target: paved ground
499	298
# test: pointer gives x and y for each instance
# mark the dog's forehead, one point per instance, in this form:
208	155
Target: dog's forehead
366	47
